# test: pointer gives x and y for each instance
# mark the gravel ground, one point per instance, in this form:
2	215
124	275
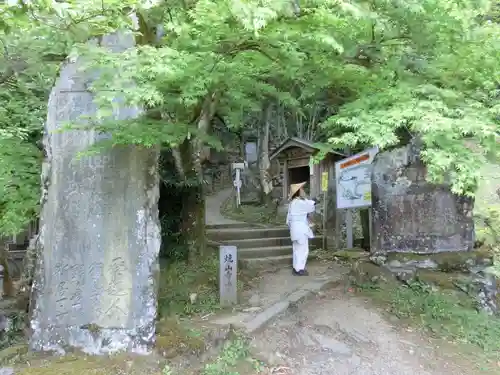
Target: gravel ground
339	334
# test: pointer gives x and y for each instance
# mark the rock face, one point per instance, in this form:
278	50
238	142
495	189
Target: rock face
94	287
411	215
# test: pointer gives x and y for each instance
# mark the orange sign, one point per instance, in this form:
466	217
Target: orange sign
358	160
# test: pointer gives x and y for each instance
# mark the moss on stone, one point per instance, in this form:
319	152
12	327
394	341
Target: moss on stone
367	272
449	261
350	255
443	280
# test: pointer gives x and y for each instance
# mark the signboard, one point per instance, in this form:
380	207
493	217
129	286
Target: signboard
297	163
251	152
353	179
238	165
324	181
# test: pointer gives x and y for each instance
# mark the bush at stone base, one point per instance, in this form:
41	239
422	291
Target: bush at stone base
468	272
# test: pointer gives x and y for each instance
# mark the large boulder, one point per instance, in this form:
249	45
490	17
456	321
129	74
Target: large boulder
94	285
412	215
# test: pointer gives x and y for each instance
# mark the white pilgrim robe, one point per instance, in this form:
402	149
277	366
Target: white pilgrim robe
300	231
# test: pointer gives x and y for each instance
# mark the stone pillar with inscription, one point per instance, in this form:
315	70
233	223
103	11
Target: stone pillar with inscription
412	215
94	287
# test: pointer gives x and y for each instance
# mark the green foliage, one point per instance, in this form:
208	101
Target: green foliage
439	83
233	352
253	214
27	70
21	113
442	313
19	183
15	334
446	315
180	280
371	70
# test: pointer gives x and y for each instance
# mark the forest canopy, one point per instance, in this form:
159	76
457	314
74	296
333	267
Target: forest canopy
360	73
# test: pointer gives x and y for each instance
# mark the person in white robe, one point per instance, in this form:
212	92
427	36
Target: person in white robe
298	222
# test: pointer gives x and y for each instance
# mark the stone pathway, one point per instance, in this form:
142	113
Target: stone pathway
213	204
336	333
276	291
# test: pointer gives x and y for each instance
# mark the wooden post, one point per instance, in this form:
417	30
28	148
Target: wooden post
370	212
324	188
338	228
285	180
349	229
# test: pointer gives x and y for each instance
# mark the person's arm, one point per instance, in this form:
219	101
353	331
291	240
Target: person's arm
307	205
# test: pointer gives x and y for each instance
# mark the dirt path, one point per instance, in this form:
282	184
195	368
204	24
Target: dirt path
213	206
339	334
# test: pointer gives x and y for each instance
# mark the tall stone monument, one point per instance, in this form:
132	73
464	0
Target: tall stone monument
94	287
412	215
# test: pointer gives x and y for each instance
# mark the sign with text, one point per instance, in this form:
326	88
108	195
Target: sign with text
251	153
228	269
353	180
324	182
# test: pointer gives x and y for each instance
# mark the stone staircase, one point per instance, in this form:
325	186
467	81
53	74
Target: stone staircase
257	244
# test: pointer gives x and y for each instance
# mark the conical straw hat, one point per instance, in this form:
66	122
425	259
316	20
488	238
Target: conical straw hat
295	188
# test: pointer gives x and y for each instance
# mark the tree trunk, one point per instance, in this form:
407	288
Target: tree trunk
193	205
189	159
266	183
193	222
8	286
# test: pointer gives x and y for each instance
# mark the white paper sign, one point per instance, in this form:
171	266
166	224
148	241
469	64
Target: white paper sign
353	179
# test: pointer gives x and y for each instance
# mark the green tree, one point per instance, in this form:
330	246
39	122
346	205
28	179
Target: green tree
198	58
439	82
221	57
27	70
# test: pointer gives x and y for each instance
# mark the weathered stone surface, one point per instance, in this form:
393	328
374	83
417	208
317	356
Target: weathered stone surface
411	215
351	255
366	272
94	287
444	280
473	261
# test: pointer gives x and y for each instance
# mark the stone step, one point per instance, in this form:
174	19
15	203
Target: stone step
223	235
269	242
279	260
276	250
229	226
267	261
17	254
262	252
246	243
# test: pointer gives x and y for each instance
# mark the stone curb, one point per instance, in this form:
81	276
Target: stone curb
268	315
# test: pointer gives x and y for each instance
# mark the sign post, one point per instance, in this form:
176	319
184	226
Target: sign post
228	270
353	180
238	167
324	189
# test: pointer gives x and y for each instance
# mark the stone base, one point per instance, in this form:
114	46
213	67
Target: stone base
467	272
470	261
90	340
